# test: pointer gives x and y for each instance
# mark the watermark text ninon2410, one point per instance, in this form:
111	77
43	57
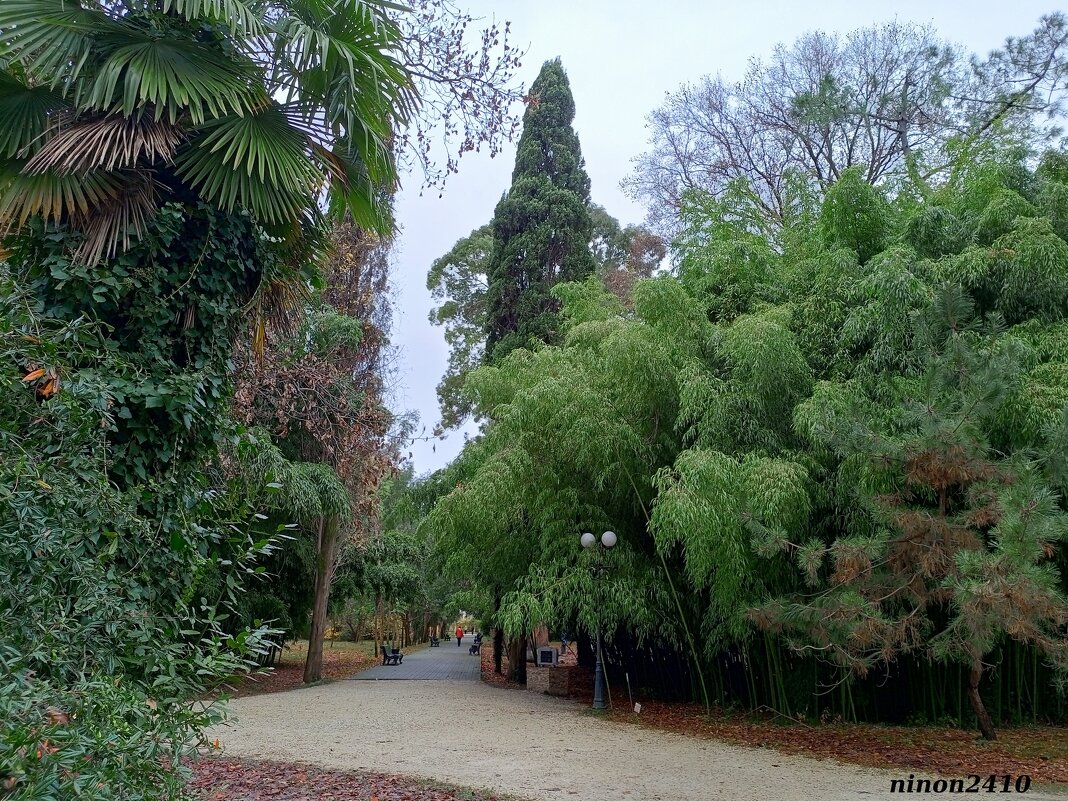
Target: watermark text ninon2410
973	783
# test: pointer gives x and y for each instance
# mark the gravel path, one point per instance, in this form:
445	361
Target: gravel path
525	745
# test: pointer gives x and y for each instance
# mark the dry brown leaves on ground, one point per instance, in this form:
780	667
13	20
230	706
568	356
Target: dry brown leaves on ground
1039	751
489	676
289	673
217	779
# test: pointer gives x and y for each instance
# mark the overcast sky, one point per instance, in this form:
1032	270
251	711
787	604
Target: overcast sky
621	57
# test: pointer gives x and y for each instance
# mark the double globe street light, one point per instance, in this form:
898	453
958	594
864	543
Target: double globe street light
608	540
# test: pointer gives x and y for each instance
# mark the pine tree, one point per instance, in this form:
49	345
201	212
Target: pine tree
542	227
956	559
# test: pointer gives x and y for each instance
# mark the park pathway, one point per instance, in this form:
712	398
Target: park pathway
445	727
447	662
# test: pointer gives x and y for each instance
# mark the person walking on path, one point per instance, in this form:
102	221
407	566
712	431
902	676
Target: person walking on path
459	635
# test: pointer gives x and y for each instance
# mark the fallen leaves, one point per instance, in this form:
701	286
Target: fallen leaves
216	779
1039	751
289	673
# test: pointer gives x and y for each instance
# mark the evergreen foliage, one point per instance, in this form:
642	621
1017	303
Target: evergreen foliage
542	227
240	106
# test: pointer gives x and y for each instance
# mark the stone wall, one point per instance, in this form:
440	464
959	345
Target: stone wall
560	681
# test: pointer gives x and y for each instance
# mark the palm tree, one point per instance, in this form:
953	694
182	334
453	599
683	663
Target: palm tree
109	108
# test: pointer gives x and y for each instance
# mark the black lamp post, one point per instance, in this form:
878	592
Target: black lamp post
608	540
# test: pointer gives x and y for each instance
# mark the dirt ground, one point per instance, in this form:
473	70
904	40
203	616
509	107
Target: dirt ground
530	746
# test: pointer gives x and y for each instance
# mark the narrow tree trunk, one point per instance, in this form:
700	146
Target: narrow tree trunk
324	568
498	633
517	660
986	725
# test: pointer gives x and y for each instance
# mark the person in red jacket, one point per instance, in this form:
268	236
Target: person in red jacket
459	635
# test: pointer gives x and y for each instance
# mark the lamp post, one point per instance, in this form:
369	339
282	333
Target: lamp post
608	540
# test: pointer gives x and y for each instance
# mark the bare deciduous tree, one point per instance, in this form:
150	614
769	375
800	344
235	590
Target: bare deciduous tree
893	100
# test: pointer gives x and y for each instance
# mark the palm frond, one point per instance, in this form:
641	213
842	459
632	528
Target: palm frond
122	218
107	143
242	18
25	110
279	303
109	208
346	56
53	38
93	92
175	77
53	195
353	190
258	161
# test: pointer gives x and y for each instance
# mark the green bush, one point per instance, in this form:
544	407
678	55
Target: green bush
107	640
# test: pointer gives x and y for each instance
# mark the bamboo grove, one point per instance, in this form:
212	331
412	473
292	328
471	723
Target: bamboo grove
833	450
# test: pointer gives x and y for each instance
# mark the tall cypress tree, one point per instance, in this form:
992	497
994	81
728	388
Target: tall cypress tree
542	227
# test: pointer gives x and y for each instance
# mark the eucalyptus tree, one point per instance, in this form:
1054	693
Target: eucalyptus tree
458	282
319	393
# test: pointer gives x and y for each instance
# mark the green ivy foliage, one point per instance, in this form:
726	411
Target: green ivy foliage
167	310
108	631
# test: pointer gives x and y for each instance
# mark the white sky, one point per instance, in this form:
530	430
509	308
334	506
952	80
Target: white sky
621	56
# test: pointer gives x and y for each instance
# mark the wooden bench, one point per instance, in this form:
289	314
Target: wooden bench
435	642
394	657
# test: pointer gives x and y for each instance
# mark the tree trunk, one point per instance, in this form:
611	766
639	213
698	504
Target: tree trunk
380	627
517	660
498	634
324	568
986	725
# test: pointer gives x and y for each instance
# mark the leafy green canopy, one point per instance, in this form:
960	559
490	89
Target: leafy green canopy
458	281
542	227
839	438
